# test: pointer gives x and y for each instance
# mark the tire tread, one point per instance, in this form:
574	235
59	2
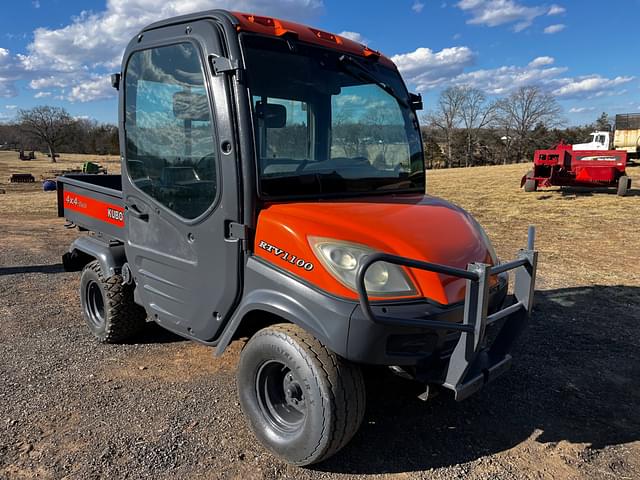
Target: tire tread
125	317
347	392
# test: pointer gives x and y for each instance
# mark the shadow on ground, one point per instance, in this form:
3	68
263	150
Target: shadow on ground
575	192
53	268
574	379
154	333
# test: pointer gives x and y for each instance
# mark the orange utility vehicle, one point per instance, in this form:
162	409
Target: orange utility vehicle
273	187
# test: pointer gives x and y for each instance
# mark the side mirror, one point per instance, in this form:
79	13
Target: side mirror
115	80
416	101
273	114
191	106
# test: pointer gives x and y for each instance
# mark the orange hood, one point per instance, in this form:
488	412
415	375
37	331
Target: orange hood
418	227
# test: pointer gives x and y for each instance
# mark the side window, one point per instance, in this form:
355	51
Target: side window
282	133
171	154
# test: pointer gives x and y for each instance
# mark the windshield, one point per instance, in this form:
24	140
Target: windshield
326	124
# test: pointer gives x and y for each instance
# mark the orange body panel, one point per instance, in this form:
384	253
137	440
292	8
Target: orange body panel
418	227
276	27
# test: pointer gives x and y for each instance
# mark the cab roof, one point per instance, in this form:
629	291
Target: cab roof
248	22
282	28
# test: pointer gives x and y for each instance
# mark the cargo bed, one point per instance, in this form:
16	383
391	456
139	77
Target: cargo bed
93	202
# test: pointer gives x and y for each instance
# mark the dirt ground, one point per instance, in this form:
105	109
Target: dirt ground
166	408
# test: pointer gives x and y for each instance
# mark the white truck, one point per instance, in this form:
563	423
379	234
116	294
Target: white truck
599	141
626	136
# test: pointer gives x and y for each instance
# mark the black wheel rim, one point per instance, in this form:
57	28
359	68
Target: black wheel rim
281	397
94	304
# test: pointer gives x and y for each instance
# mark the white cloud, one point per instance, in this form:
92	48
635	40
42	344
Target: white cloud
505	79
42	94
581	109
551	29
95	88
542	61
493	13
417	6
93	42
36	4
8	74
10	107
594	85
425	68
50	81
355	36
98	39
556	10
351	100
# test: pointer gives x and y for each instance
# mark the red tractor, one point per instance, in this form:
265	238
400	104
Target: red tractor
568	167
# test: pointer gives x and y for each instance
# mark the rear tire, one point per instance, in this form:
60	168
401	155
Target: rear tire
108	307
303	402
624	183
530	185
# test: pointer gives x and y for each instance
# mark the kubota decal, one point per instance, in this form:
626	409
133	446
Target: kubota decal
286	256
91	207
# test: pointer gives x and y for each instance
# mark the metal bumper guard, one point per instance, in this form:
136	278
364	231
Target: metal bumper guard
472	363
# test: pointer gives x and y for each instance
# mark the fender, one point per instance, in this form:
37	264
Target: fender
84	249
326	317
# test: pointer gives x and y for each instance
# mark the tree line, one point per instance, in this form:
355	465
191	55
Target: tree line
53	130
465	128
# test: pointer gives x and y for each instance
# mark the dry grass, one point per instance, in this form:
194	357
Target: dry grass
568	410
584	238
27	200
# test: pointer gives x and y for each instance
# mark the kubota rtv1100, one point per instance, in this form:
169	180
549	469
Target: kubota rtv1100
273	187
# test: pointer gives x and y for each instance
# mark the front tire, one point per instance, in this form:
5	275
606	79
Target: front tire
303	402
108	307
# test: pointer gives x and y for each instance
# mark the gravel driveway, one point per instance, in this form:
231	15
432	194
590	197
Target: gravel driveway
166	408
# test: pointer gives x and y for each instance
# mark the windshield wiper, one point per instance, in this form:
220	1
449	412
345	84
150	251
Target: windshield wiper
363	74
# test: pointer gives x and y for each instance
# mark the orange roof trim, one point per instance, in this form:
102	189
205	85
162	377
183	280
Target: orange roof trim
280	28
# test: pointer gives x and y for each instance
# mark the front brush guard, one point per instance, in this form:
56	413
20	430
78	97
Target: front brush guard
472	363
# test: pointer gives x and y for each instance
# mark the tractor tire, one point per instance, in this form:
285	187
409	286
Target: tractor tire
108	307
530	185
303	402
624	183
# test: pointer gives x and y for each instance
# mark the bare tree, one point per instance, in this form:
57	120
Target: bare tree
446	116
525	109
48	124
476	114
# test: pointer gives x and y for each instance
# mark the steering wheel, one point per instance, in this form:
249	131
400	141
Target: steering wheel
204	164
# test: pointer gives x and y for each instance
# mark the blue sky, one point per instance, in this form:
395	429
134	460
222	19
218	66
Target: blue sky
60	52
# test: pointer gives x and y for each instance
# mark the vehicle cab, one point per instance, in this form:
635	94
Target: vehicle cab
598	141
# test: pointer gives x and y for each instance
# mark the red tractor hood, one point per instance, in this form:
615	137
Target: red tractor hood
418	227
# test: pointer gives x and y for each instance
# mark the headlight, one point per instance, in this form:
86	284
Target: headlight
342	260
